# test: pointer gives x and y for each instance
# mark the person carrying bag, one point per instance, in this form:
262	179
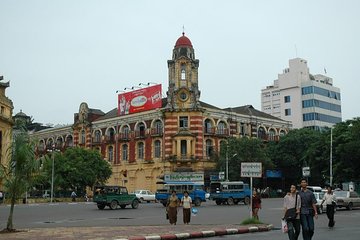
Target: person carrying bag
292	204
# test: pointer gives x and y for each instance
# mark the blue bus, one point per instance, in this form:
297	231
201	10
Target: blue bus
230	192
195	189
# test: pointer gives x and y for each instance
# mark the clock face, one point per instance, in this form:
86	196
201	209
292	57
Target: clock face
183	96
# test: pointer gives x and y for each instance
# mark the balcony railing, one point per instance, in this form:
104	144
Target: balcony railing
110	138
124	136
156	131
222	132
140	134
209	130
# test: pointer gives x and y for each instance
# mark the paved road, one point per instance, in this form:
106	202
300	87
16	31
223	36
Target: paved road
87	215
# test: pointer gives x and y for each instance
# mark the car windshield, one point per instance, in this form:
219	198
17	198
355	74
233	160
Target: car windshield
341	194
137	191
319	196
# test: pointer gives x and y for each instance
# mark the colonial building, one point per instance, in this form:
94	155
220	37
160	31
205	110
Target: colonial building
183	135
6	124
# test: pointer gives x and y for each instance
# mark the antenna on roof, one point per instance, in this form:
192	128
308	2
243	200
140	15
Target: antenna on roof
183	33
296	53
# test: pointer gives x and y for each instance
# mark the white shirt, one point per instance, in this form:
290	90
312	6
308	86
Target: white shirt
329	198
186	202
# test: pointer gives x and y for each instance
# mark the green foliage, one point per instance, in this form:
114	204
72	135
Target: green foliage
19	172
251	221
300	148
76	168
242	150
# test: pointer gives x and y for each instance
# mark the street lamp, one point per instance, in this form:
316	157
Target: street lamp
227	163
331	172
52	150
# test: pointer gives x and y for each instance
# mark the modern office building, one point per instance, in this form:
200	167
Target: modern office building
305	99
148	136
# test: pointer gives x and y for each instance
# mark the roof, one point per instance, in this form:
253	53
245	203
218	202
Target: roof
183	41
250	110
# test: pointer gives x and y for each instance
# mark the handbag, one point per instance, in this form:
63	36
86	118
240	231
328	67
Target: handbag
284	227
291	212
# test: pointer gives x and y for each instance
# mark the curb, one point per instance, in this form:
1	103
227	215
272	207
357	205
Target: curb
203	234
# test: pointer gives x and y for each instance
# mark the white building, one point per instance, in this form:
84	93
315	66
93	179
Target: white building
304	99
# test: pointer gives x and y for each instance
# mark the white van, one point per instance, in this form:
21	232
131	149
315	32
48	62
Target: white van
315	188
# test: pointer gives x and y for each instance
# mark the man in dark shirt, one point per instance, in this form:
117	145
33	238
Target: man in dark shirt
308	211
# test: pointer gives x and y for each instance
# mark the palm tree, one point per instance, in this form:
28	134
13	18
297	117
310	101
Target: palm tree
19	171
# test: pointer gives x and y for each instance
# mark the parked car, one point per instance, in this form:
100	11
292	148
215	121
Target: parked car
145	196
347	199
319	198
114	196
315	189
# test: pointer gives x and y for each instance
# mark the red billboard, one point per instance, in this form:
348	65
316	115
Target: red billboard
139	100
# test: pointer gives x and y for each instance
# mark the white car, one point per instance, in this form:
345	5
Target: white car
145	195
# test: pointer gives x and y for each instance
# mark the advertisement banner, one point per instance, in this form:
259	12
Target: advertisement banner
140	100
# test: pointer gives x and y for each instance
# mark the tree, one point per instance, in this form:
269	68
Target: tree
299	148
346	151
20	170
76	168
239	150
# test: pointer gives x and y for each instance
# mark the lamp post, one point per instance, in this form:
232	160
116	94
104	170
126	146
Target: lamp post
52	150
52	175
331	172
227	163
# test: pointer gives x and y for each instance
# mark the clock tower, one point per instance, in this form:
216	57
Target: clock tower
183	93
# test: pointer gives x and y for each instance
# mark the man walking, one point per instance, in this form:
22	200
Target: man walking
330	201
308	211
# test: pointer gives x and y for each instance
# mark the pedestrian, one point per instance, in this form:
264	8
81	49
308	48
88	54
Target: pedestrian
292	200
330	201
73	196
186	204
172	207
307	211
256	204
1	197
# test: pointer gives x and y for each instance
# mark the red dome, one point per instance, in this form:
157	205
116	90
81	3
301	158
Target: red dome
183	41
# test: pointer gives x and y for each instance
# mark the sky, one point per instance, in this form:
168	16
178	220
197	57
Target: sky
58	54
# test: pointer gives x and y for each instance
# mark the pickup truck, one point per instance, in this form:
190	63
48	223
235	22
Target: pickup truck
114	196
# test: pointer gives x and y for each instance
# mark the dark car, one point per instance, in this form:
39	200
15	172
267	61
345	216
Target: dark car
114	196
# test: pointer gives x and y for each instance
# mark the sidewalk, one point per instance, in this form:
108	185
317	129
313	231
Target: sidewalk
135	232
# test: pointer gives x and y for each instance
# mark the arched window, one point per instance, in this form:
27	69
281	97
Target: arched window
282	133
221	128
110	154
125	152
141	150
97	136
209	148
208	126
69	141
261	133
59	143
140	131
83	137
272	135
125	132
158	127
183	72
157	149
